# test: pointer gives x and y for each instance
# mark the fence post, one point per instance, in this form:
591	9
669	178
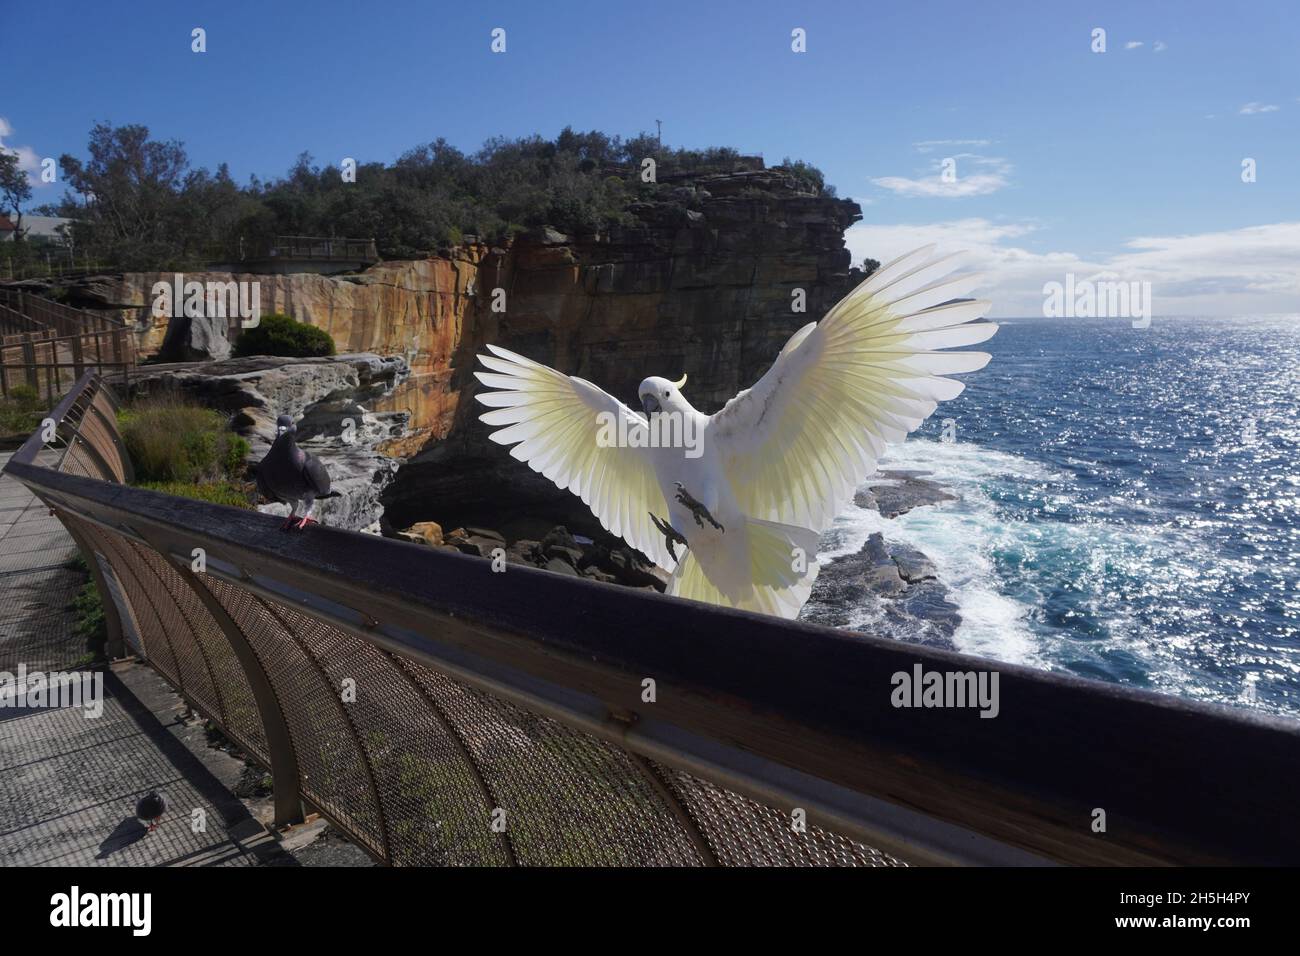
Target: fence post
29	359
124	352
78	358
279	744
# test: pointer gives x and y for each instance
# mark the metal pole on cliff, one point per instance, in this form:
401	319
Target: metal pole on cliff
659	132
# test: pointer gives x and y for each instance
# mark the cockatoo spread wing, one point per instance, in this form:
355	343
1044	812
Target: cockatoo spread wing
797	444
554	422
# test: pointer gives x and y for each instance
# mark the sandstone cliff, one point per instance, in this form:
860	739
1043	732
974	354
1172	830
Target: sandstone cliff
701	282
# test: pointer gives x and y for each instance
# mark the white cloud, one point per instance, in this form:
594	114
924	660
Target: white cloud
1132	44
991	174
27	158
1250	109
1160	46
1232	272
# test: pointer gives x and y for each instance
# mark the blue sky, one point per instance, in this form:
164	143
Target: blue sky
1065	158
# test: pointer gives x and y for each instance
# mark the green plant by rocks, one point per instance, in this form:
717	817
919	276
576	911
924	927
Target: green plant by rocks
215	492
278	334
171	440
21	413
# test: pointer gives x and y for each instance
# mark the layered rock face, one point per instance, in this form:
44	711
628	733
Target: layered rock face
332	399
702	284
415	310
704	281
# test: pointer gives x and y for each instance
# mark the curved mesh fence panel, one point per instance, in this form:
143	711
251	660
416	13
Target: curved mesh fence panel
153	629
434	806
232	697
742	832
416	767
335	773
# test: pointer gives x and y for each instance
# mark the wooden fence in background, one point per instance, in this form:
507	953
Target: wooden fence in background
47	346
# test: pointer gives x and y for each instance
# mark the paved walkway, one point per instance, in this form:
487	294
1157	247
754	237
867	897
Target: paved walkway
36	582
69	783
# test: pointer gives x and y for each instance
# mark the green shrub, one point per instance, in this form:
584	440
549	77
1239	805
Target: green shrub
215	492
22	412
24	393
88	614
170	440
278	334
88	620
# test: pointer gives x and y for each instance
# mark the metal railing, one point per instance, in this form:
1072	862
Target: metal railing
438	712
34	355
59	318
324	247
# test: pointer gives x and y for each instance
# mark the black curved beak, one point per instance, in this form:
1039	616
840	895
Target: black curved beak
650	404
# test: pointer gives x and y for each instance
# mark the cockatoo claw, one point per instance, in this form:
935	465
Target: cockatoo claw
697	509
670	534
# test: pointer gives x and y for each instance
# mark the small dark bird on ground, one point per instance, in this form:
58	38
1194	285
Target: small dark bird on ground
288	474
150	808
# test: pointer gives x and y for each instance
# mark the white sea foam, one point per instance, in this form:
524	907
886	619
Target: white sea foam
960	538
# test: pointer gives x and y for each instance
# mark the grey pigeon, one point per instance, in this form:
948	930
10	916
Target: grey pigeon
150	808
290	475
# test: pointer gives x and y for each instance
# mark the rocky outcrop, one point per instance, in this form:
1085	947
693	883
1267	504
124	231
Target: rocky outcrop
900	492
415	310
608	560
888	588
196	339
333	400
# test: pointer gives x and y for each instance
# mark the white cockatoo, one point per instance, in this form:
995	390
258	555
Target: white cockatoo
747	492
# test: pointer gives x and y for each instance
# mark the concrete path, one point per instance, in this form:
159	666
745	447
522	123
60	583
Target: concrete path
69	783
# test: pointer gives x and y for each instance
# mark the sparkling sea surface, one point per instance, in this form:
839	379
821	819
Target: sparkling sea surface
1130	505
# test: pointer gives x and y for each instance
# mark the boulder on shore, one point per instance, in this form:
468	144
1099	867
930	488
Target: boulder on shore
888	588
557	551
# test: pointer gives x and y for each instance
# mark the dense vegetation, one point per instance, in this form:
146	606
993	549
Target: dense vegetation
138	204
171	440
22	412
278	334
184	449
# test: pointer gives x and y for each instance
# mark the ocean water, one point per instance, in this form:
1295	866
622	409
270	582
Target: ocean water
1130	505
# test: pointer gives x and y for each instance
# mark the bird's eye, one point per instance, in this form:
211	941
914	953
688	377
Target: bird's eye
665	394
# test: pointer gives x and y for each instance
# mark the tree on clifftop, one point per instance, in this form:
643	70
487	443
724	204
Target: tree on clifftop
15	189
129	187
138	205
